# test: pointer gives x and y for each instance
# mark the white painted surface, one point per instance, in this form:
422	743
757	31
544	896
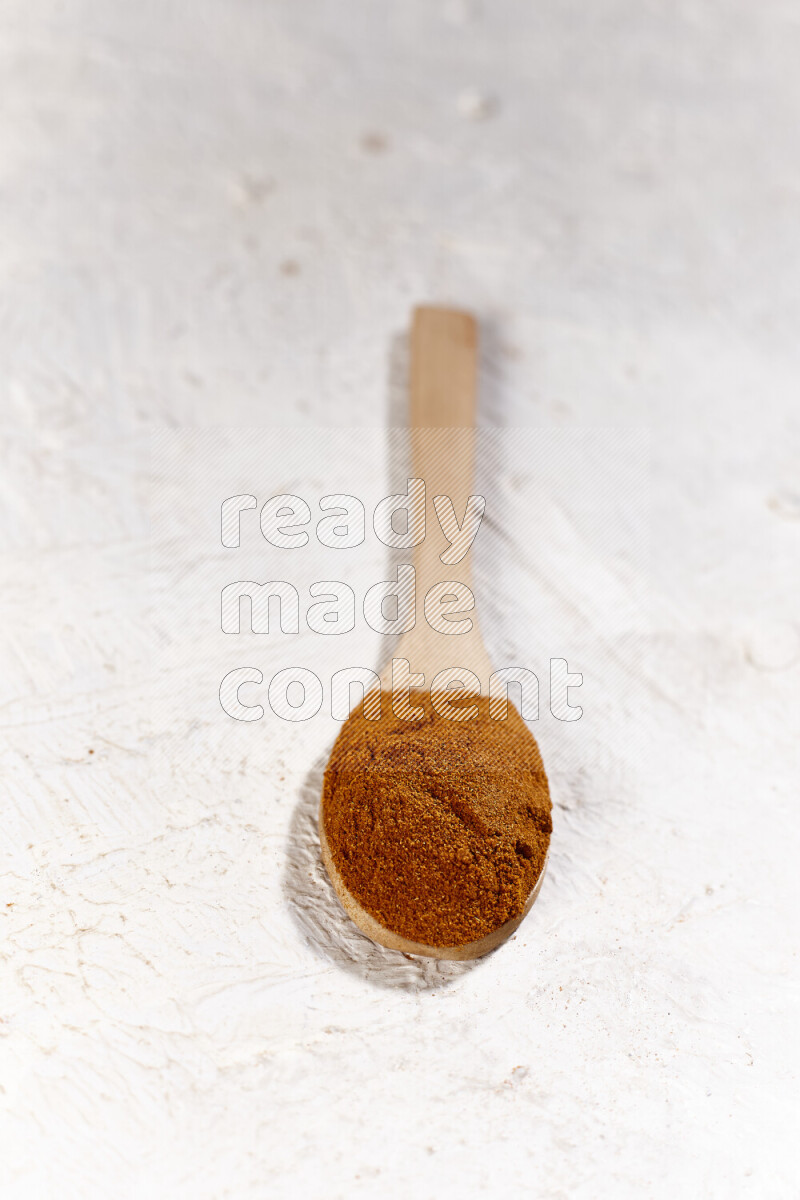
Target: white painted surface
220	214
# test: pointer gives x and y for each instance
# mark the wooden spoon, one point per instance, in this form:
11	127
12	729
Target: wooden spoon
442	425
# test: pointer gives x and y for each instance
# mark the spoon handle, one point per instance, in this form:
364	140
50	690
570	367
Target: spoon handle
444	346
444	354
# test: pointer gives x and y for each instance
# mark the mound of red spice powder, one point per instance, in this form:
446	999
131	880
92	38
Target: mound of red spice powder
439	828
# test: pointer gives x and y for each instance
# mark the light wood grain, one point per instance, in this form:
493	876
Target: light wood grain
443	386
444	349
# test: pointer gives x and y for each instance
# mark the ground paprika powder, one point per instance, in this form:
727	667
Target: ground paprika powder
438	827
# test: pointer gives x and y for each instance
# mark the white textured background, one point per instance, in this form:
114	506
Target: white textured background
219	214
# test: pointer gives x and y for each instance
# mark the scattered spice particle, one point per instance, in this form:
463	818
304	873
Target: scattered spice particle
374	142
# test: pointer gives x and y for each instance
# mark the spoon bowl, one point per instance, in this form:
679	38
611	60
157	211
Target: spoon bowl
392	941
